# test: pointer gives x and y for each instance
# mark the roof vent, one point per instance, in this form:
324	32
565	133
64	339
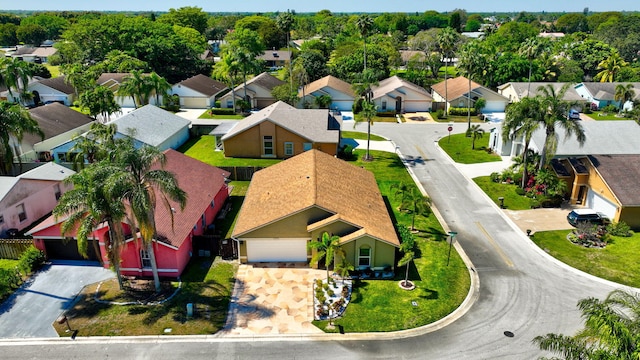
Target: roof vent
275	54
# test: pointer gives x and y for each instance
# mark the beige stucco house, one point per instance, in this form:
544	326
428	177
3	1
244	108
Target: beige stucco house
399	95
258	92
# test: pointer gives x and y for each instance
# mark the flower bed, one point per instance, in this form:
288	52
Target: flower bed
330	299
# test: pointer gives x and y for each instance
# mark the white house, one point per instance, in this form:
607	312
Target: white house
198	92
399	95
603	94
342	96
456	94
258	92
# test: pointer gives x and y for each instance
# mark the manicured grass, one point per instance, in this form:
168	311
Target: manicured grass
225	226
207	115
380	305
494	190
203	149
205	284
456	118
360	136
619	261
8	264
458	146
602	116
54	70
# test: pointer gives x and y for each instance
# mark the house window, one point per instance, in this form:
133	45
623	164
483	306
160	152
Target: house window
146	259
364	256
267	145
56	190
288	148
384	105
230	103
22	215
204	221
307	146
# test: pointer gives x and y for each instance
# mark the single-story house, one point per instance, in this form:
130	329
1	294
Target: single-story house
45	91
456	94
26	198
342	96
275	59
206	190
59	125
305	200
605	183
112	81
601	94
39	55
399	95
148	125
198	92
516	91
281	131
258	92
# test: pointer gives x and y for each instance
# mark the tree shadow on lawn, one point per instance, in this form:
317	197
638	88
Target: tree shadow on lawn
433	233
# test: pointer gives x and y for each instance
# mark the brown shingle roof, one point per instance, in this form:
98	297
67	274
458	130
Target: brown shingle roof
621	173
55	119
316	179
203	84
117	77
201	182
328	81
393	83
58	83
264	80
275	55
456	87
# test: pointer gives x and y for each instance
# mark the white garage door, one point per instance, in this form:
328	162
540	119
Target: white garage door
600	204
276	250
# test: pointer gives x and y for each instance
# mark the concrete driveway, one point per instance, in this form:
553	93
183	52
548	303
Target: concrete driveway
31	310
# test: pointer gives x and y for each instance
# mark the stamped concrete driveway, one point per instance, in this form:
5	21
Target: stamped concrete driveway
273	298
31	311
541	219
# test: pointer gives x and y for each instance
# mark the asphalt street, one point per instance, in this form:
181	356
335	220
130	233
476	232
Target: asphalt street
523	292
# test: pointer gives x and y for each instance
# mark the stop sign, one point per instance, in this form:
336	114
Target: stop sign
450	128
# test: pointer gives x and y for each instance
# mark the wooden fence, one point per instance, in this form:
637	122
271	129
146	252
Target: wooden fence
241	173
13	248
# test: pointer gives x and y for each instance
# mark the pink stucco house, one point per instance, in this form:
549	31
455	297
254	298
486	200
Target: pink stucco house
206	190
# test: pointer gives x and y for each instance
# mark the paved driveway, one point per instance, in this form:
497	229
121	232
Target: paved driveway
31	310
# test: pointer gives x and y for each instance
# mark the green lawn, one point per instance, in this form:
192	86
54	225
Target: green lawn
494	190
207	115
380	305
203	149
360	136
456	118
619	261
54	70
602	116
458	146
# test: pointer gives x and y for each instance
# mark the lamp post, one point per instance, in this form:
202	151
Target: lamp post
452	234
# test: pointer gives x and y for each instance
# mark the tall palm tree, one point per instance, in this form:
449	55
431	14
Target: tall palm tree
416	203
610	66
368	113
521	120
285	22
157	85
245	45
325	248
302	77
475	132
88	205
16	74
95	145
142	186
611	330
228	68
136	86
364	23
530	49
556	111
15	121
447	40
471	60
624	94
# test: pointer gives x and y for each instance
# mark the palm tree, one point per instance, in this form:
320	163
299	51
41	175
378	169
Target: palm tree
87	205
136	86
364	24
15	121
245	45
158	85
369	111
408	248
95	145
610	66
611	331
16	74
521	120
475	132
530	49
416	203
447	40
227	68
325	248
302	77
285	22
472	63
556	111
141	186
624	94
323	101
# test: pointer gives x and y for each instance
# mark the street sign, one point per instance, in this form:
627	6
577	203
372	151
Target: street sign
450	128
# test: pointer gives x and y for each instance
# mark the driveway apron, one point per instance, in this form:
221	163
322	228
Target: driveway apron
31	311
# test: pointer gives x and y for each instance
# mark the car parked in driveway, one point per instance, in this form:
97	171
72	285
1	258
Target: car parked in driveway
586	216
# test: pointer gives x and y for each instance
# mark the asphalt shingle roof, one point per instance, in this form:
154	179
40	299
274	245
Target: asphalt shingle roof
521	89
152	125
621	173
390	84
55	119
328	81
203	84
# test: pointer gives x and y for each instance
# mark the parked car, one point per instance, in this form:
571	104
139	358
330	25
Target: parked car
586	216
574	114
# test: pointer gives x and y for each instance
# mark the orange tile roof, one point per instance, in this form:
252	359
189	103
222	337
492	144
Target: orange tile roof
316	179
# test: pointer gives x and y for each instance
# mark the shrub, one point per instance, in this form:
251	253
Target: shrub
619	229
222	111
31	260
331	293
357	106
9	280
610	108
387	114
462	111
495	176
520	191
440	114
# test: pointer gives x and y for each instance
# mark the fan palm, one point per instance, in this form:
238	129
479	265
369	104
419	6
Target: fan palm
416	203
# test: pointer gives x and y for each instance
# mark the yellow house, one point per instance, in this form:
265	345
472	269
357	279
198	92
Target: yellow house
293	202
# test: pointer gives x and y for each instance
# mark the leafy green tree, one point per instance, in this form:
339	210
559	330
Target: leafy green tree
408	249
244	45
117	61
475	132
15	121
8	35
283	93
588	53
611	330
325	248
314	64
52	24
99	101
186	16
368	113
621	33
141	186
79	77
610	67
32	34
556	116
87	206
522	118
266	28
285	21
571	23
427	42
323	101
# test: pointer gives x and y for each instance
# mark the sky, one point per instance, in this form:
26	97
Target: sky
336	6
